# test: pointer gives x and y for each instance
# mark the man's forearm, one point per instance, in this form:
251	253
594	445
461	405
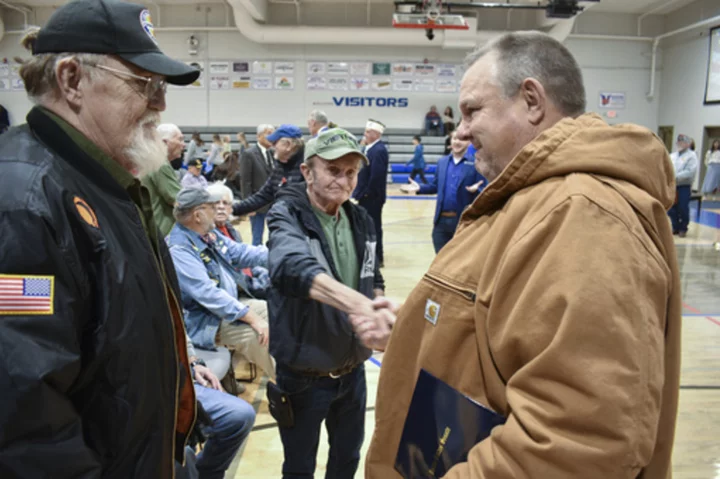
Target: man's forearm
333	293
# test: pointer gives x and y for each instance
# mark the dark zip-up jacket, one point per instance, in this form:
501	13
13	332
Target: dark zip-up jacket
282	176
308	335
98	386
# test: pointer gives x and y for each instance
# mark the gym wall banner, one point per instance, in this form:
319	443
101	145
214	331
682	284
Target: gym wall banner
367	101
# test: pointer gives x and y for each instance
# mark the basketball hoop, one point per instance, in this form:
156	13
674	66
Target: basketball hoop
436	21
429	16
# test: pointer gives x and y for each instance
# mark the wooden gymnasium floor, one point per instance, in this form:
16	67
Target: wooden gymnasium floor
408	253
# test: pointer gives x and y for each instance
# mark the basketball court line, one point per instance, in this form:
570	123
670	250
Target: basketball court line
699	313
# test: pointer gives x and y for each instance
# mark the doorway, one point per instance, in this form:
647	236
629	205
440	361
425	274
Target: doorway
666	135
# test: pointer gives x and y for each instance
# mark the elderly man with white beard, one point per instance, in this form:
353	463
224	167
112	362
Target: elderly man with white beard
94	369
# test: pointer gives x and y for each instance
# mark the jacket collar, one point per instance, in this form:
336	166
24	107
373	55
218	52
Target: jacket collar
52	135
466	156
187	235
293	162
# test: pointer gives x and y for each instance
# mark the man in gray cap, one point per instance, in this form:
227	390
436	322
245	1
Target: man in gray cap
323	320
221	308
95	377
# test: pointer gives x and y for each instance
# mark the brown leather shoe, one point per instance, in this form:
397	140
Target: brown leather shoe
682	234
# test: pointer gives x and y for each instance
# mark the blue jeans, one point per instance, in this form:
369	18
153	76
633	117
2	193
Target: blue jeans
341	404
443	231
680	212
257	223
232	419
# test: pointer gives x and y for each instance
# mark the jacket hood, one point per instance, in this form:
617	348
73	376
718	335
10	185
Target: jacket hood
629	153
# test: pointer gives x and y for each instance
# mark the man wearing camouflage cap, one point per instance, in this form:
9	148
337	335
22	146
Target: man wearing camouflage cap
326	305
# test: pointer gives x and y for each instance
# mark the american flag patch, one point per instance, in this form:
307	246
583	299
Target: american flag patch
26	294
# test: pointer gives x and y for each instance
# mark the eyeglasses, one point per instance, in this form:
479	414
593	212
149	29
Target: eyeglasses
152	85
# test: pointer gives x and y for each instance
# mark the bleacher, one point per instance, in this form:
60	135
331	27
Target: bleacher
398	141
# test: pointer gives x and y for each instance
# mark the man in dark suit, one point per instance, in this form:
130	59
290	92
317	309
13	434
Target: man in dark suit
256	164
372	180
456	183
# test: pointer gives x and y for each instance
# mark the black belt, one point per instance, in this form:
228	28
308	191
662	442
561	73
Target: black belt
320	374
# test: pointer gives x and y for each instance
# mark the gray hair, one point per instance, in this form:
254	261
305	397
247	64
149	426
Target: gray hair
168	130
182	215
523	55
319	116
262	128
220	188
38	73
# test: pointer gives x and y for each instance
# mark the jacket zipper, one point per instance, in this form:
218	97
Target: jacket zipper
169	294
177	383
462	291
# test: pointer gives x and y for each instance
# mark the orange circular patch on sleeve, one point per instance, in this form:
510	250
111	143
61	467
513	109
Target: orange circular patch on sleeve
86	213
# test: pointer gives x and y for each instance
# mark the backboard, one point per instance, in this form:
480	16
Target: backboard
428	22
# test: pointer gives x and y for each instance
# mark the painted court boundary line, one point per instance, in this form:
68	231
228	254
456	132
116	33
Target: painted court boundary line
699	313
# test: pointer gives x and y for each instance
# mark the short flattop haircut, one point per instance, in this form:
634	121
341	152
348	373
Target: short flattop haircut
523	55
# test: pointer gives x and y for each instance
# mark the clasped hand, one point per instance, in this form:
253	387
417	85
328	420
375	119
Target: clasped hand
372	322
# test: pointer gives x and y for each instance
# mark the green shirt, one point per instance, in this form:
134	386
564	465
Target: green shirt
163	187
342	245
137	192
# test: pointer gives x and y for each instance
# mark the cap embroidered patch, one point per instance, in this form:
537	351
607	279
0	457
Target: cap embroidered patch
146	23
86	213
26	295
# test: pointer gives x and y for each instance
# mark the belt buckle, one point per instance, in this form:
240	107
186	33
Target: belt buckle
340	372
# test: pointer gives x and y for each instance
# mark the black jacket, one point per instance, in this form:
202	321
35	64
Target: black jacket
283	175
95	387
254	172
307	335
372	180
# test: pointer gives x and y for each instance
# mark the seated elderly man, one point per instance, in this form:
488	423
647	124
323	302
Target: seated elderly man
231	421
209	268
223	208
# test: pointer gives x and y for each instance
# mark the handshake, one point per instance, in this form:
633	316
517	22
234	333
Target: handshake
372	321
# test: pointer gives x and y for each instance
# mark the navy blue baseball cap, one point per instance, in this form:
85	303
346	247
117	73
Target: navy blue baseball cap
284	131
111	27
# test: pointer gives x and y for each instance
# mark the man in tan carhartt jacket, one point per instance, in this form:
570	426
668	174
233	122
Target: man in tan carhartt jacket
559	296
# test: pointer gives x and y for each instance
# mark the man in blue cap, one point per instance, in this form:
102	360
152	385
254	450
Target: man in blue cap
288	144
95	377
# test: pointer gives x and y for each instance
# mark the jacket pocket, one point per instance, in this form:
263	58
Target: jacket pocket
457	289
449	346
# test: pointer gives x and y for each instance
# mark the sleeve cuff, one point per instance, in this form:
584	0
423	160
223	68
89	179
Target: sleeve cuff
244	309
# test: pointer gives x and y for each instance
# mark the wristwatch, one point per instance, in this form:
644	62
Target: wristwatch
198	361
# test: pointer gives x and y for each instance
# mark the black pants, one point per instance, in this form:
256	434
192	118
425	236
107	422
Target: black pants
374	208
418	171
341	404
